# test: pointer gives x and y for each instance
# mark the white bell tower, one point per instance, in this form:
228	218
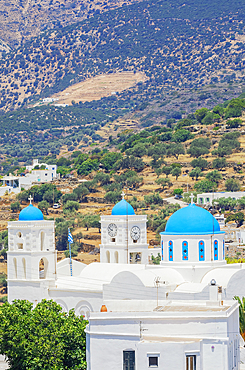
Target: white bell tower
32	256
123	236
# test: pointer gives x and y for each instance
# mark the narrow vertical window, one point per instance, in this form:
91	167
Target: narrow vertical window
201	250
128	360
190	362
216	250
162	250
15	268
185	251
223	249
170	250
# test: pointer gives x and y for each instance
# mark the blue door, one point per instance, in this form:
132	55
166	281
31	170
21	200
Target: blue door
201	250
185	251
170	250
216	250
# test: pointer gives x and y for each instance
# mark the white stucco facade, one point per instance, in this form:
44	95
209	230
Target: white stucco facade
170	336
169	311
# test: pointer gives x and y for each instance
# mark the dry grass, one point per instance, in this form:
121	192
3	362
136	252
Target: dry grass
98	87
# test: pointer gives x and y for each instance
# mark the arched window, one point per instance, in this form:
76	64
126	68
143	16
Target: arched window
107	256
23	268
116	257
216	250
43	268
162	250
185	250
15	268
42	235
170	250
201	247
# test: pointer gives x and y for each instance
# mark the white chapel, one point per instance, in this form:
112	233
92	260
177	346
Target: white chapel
176	315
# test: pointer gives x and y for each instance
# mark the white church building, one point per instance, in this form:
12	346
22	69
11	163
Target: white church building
176	315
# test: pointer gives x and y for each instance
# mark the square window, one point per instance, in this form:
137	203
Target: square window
153	361
113	240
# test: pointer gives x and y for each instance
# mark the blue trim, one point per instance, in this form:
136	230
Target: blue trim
192	233
216	250
170	250
162	250
185	250
201	247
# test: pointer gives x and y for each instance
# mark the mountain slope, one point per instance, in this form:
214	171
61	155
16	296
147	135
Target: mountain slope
23	19
181	45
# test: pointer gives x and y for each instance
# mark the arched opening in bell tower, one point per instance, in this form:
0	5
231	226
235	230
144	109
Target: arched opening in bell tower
23	268
116	257
108	257
15	268
43	268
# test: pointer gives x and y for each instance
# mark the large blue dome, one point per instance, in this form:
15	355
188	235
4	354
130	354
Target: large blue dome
192	220
30	213
122	208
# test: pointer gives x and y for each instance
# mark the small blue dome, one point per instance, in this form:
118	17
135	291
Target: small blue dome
122	208
192	220
30	213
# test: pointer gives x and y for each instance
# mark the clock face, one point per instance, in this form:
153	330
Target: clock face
112	230
135	233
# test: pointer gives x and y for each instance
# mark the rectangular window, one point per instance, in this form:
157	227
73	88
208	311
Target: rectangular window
190	362
153	361
113	240
128	360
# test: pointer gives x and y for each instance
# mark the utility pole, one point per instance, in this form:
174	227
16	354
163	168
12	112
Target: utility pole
157	283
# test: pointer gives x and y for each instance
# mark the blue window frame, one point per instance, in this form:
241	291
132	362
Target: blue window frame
201	247
185	250
162	250
216	250
170	250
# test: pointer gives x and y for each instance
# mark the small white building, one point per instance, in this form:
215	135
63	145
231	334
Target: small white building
47	174
208	198
183	335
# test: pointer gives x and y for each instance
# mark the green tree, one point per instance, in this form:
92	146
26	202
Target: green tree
176	172
43	206
205	186
195	173
219	163
175	150
43	337
241	315
109	159
237	217
163	182
15	207
241	202
166	170
113	196
88	166
201	113
81	191
199	162
232	185
178	191
156	260
182	135
71	206
196	151
214	176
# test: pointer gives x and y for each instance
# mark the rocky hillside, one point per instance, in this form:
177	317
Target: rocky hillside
179	44
22	19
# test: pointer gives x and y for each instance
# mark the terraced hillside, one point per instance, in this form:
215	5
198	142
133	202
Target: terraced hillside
176	44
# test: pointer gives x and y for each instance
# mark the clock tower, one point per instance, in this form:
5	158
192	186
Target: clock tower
124	236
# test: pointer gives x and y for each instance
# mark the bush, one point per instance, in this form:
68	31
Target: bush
219	163
232	185
205	186
71	206
15	207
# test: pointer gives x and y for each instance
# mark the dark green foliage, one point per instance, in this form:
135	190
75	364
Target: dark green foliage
219	163
175	150
214	176
181	135
113	196
205	186
153	198
199	147
71	206
156	260
235	123
195	173
232	185
109	159
42	337
237	217
176	172
43	206
199	162
15	207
